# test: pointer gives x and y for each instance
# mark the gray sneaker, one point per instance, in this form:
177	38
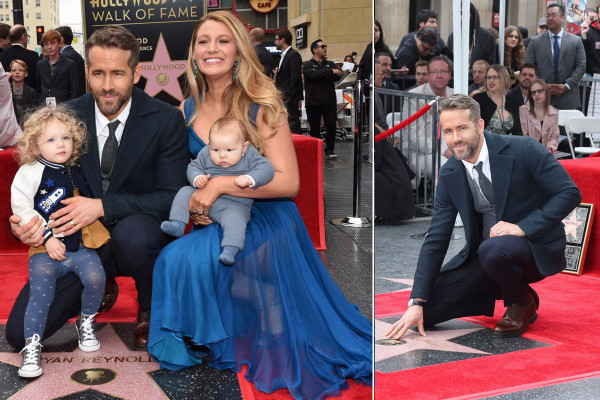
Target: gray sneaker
31	367
86	334
330	154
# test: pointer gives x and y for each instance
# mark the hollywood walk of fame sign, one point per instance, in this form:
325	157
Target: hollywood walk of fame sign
164	30
578	226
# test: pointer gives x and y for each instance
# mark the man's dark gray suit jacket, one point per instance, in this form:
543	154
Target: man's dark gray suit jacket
571	66
151	162
531	189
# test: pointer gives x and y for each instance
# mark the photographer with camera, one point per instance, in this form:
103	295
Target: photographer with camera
590	33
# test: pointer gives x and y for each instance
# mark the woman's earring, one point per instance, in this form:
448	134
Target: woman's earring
236	68
195	68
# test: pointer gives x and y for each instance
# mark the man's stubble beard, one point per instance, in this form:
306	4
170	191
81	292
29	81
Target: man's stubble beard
111	110
470	150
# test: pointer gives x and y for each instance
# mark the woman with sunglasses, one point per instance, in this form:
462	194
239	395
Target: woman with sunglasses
499	112
539	119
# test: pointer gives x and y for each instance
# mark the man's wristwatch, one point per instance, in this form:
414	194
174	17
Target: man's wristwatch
415	302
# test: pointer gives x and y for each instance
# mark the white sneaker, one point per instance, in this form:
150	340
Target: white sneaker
86	334
32	355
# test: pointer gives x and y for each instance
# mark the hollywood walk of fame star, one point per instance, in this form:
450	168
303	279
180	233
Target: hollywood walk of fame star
132	370
162	73
572	224
435	340
50	182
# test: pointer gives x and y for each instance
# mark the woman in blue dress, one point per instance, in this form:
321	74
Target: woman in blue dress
276	310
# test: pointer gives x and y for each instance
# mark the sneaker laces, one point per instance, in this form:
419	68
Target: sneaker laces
32	350
87	327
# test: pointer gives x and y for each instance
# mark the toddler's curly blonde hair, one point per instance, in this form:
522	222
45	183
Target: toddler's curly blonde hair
35	125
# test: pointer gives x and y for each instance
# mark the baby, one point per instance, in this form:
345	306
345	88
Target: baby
228	153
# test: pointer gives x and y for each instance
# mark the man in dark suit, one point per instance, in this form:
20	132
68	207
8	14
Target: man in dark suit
512	196
288	78
4	37
18	51
56	75
131	199
257	35
561	71
526	77
67	51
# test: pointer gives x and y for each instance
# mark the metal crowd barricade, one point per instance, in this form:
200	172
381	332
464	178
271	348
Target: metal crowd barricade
590	96
418	142
356	219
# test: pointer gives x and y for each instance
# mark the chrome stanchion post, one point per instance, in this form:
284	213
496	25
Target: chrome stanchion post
356	220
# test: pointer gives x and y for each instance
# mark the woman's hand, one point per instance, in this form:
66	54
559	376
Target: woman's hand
202	200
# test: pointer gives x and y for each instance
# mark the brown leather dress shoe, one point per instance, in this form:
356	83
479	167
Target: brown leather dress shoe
111	292
516	319
140	335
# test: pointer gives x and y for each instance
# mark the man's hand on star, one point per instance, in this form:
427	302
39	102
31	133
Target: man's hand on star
412	316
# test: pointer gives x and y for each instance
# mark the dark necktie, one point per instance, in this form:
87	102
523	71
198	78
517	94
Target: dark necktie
109	154
556	55
484	183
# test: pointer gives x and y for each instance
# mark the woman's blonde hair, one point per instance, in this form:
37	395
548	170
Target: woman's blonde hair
36	123
517	53
504	77
250	86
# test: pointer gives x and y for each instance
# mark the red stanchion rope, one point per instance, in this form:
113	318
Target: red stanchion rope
406	122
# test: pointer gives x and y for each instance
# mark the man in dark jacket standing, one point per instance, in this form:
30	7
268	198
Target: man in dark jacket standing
257	35
288	77
67	51
590	34
481	42
319	77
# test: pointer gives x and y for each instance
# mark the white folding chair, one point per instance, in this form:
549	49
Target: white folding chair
563	116
590	126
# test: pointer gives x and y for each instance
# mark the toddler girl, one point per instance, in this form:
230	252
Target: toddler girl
51	144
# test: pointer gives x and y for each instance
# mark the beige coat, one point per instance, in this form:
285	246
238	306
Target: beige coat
548	131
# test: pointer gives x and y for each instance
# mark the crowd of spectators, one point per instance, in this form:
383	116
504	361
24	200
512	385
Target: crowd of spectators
554	59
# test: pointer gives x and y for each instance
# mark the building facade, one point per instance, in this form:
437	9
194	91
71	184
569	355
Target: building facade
44	13
346	26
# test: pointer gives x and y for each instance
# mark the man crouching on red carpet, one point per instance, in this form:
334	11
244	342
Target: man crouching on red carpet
512	195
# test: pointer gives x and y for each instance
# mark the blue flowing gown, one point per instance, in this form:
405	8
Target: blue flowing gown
276	309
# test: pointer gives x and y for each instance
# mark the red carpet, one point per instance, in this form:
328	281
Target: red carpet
566	320
249	392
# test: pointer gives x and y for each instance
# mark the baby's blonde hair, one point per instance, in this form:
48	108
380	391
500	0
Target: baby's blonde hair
36	124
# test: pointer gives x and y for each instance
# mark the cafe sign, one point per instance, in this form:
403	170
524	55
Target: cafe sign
264	6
